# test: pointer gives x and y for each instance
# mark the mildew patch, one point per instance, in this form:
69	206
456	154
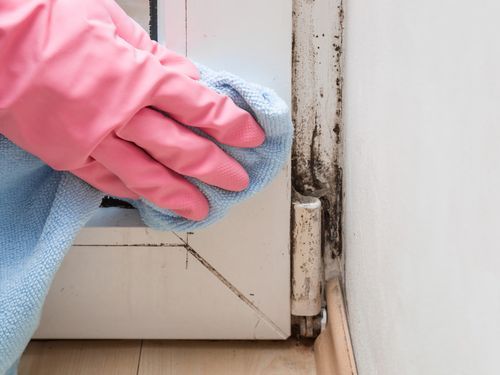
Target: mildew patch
317	110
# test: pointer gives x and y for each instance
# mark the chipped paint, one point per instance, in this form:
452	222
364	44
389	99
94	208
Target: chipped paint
317	111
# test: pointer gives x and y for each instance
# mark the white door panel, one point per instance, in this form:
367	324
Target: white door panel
178	298
229	281
138	9
249	38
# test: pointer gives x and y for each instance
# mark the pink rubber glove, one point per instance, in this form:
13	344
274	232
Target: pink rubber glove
78	81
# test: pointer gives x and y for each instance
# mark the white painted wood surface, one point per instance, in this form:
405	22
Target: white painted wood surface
307	266
122	280
317	113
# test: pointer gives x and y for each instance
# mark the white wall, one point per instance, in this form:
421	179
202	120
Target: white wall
422	184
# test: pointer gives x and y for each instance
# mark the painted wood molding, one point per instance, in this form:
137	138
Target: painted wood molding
333	349
317	78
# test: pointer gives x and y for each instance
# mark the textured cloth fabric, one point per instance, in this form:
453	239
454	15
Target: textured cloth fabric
41	210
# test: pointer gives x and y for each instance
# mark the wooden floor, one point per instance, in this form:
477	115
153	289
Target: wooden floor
135	357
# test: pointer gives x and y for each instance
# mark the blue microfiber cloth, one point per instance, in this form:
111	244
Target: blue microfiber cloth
41	210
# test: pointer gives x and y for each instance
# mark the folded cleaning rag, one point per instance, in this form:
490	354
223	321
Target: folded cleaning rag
41	210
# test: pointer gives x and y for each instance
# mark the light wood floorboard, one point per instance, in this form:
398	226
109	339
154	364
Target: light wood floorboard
81	357
124	357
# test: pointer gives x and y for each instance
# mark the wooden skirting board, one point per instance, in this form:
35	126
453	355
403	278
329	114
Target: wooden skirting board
333	349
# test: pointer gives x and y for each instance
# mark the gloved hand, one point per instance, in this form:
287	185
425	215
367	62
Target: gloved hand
79	85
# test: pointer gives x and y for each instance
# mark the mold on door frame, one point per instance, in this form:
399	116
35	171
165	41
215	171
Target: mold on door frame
317	114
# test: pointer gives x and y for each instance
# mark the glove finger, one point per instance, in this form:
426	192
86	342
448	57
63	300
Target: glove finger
183	151
150	179
191	103
99	177
130	31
